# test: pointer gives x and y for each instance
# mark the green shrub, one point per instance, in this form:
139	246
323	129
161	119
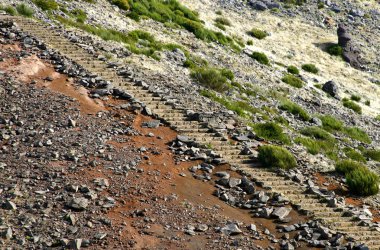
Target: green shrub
377	118
310	68
173	12
373	154
122	4
276	157
223	21
363	182
242	108
220	26
249	42
271	131
46	4
347	166
317	133
211	78
257	33
292	81
321	5
9	10
260	57
335	50
368	103
293	70
357	134
25	10
354	155
353	106
355	98
295	109
80	15
330	123
316	146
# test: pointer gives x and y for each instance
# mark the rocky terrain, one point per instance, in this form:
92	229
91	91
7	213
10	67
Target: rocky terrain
84	164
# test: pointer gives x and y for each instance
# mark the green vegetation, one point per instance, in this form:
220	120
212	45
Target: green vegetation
356	98
137	41
260	57
294	109
368	103
352	105
122	4
294	2
363	182
25	10
9	10
80	15
271	131
292	81
317	133
173	12
242	108
215	79
249	42
354	155
223	21
335	50
360	180
377	118
310	68
357	134
293	70
257	33
46	4
373	154
21	9
276	157
330	123
347	166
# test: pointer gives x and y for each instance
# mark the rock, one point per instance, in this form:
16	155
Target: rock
281	212
231	229
71	123
184	139
78	203
9	205
258	5
201	228
252	227
330	88
233	182
350	52
316	121
76	244
151	124
287	246
222	174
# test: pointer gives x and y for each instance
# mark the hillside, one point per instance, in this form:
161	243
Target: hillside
256	99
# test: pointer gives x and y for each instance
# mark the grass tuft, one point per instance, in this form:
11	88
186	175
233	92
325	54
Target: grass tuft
257	33
310	68
352	105
271	131
357	134
330	123
260	57
293	70
292	81
212	78
276	157
295	109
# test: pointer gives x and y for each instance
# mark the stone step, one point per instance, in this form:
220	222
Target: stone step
185	131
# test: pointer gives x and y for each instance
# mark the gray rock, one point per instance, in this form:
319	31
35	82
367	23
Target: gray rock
233	182
9	205
316	121
151	124
231	229
281	212
78	203
330	88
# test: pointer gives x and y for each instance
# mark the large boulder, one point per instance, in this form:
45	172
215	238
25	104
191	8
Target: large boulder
330	88
350	53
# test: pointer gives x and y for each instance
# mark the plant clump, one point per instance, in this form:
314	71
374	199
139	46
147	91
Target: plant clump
310	68
257	33
46	4
260	57
292	81
330	123
211	78
360	179
295	109
293	70
335	50
352	105
276	157
271	131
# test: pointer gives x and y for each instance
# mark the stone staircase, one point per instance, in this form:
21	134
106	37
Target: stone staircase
312	204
